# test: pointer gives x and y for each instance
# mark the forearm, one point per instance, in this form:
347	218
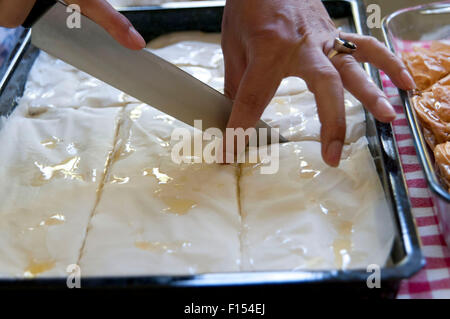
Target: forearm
13	13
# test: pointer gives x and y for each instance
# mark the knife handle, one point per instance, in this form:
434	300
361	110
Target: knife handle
40	7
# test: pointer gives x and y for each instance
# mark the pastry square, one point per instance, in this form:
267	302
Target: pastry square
157	217
312	216
52	166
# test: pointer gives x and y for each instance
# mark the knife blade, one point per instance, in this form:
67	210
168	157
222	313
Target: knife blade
141	74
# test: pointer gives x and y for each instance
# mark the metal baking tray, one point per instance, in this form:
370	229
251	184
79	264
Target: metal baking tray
406	257
430	22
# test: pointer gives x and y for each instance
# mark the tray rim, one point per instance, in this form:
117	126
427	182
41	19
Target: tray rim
411	263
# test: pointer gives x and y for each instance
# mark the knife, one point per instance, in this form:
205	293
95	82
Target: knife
140	74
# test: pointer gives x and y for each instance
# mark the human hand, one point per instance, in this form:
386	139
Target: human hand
265	41
14	13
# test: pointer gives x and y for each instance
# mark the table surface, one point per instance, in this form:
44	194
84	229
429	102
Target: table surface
434	280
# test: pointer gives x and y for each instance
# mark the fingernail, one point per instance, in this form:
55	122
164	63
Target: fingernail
386	109
407	80
136	38
333	152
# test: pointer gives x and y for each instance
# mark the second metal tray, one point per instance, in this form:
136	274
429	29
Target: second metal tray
431	22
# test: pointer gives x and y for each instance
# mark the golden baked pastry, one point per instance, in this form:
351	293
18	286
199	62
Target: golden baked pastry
433	109
442	157
428	66
430	69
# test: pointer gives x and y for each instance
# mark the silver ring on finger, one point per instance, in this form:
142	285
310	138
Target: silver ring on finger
341	46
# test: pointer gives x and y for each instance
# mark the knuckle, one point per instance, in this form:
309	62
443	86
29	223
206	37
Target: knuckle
373	97
334	129
337	127
321	74
326	71
393	59
378	96
304	31
309	39
344	62
274	37
371	41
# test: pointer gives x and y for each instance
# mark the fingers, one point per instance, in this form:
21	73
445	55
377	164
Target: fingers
324	81
112	21
257	87
373	51
235	66
357	82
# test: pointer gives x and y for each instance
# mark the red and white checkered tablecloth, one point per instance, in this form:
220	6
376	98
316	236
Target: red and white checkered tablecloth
433	281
